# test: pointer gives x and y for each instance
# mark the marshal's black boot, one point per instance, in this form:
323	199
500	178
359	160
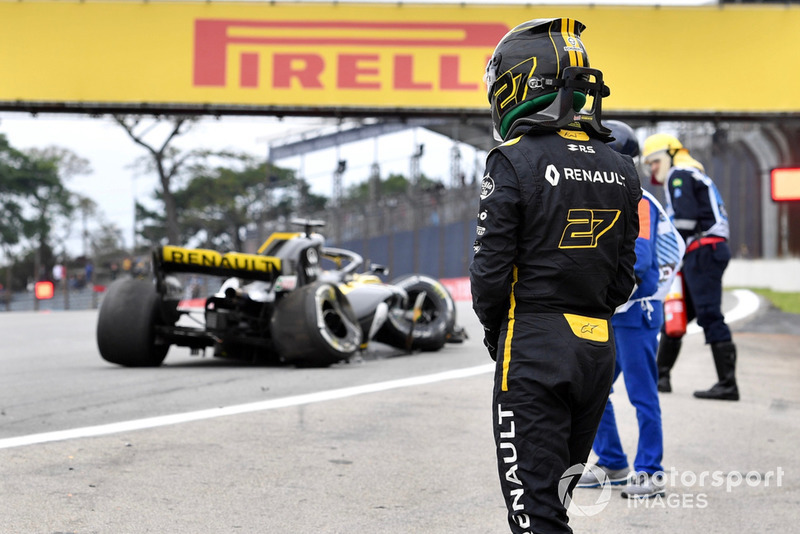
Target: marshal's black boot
668	349
725	361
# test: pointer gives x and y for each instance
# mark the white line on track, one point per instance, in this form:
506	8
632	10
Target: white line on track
746	303
164	420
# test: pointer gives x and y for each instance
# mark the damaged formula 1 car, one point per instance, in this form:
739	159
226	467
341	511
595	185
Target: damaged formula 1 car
277	306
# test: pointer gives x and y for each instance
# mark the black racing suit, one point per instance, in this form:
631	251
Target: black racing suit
554	257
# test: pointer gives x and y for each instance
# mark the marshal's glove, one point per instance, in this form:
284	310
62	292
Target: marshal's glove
490	340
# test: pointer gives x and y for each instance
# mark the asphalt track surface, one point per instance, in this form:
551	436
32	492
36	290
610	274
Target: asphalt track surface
391	443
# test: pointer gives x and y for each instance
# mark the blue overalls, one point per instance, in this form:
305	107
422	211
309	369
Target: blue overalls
636	335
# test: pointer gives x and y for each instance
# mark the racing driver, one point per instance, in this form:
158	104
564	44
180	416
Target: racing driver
554	257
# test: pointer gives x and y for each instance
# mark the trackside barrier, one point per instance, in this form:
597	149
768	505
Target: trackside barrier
459	288
188	304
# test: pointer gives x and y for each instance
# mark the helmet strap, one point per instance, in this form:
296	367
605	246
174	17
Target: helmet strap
560	108
539	103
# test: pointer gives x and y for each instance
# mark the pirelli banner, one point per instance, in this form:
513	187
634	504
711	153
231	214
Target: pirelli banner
220	57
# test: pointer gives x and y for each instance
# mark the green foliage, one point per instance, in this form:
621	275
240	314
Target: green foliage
151	227
393	185
16	176
107	244
36	207
784	300
163	159
32	194
219	202
309	202
52	203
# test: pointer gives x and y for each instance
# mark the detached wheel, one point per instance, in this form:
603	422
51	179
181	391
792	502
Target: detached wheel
126	325
315	326
437	318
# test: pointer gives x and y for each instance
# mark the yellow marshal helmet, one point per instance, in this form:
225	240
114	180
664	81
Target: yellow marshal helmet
660	148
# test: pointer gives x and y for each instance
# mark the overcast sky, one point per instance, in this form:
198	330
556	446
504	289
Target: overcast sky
114	182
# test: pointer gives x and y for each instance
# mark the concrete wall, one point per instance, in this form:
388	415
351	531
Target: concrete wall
778	275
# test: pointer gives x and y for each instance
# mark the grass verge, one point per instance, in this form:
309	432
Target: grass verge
788	301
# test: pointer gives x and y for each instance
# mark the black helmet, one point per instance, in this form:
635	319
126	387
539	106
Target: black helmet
625	141
539	76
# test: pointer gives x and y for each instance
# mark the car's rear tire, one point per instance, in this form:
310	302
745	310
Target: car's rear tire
315	326
438	318
126	325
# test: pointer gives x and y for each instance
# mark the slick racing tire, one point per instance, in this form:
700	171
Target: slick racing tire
429	333
126	325
315	326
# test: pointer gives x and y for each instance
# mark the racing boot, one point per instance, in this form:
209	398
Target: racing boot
668	349
725	361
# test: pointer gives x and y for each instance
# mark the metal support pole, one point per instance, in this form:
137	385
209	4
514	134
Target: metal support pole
456	176
337	200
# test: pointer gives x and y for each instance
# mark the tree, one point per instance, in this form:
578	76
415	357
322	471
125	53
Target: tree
107	246
12	221
309	202
87	208
34	199
107	241
150	226
53	201
69	163
35	188
220	202
393	185
50	199
166	161
15	167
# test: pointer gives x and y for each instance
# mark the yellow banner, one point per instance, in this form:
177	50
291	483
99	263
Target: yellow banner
383	57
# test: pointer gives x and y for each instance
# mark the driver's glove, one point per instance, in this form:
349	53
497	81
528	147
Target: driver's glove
490	340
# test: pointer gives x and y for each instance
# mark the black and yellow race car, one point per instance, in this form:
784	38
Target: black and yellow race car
280	305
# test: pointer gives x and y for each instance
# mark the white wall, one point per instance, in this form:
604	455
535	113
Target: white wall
778	275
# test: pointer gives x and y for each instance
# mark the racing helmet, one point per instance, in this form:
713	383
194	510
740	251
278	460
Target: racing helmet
660	148
539	75
625	141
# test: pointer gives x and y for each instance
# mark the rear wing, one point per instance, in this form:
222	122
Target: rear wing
171	259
